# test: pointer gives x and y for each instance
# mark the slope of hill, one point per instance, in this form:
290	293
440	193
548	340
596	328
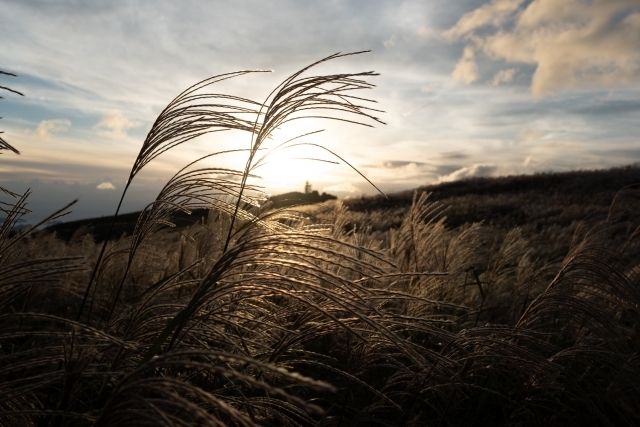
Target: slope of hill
296	198
539	204
125	223
514	201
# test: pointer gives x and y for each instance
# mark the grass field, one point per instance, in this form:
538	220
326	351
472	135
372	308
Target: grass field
393	311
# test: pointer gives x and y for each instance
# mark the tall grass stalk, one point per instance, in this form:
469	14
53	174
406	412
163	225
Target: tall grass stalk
190	115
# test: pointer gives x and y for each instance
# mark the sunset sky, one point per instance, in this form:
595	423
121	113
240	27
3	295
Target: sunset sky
469	88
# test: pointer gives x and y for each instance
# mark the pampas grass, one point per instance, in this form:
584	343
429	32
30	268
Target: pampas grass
306	316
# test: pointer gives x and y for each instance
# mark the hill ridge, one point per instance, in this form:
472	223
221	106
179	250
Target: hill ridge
535	200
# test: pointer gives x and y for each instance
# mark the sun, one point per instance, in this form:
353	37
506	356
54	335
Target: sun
287	167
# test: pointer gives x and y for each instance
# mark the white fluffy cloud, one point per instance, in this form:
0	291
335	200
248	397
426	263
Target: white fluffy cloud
494	13
503	76
477	170
115	124
47	127
105	186
345	187
466	70
572	43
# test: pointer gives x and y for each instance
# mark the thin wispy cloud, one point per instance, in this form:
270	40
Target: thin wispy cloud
392	164
429	88
530	134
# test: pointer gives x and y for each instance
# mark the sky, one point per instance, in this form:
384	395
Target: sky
468	88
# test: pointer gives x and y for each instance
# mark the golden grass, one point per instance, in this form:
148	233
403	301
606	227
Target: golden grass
296	317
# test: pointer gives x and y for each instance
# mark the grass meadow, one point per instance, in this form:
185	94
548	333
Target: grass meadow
337	314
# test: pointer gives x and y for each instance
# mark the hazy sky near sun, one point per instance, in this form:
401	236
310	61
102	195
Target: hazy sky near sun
469	88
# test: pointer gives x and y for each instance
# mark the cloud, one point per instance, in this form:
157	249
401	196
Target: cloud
466	70
115	124
503	76
391	41
429	88
446	169
456	155
427	32
345	187
530	135
469	172
392	164
494	13
559	146
573	44
616	107
47	127
105	186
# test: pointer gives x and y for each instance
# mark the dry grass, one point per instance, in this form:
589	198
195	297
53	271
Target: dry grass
282	317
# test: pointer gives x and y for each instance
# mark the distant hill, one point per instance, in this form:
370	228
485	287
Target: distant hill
547	207
297	198
125	223
515	200
536	203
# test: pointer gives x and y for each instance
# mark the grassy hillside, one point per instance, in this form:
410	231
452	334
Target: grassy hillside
547	208
515	201
125	224
535	203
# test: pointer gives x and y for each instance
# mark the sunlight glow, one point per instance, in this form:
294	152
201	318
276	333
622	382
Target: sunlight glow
286	166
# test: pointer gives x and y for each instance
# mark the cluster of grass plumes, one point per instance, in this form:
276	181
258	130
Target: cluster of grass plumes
260	316
546	207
